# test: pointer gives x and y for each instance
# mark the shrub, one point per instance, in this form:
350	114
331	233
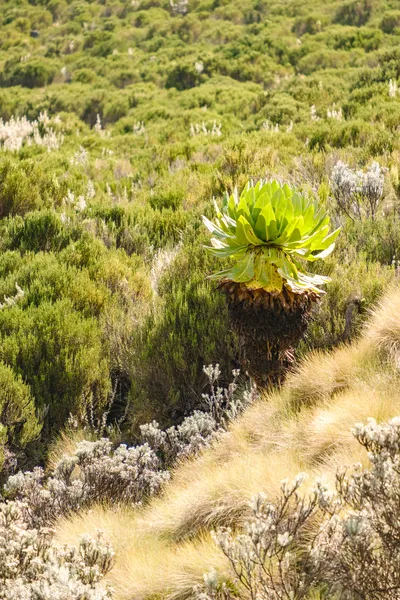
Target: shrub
157	228
311	24
26	186
59	354
330	544
183	77
115	110
32	566
358	193
168	197
44	278
355	286
39	231
391	21
18	422
355	12
97	472
189	328
31	74
100	473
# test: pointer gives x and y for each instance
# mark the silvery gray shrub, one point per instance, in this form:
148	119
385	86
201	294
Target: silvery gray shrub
33	568
341	544
97	471
358	192
94	472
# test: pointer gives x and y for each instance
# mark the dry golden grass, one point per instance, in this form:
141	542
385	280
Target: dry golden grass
383	329
64	444
164	549
146	565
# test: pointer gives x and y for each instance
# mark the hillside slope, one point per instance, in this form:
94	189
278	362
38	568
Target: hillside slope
120	121
164	550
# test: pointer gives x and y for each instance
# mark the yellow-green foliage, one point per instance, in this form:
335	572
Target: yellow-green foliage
18	422
269	229
165	548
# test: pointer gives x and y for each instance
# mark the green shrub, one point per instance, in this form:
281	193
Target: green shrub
183	77
311	24
84	76
45	278
378	240
346	38
33	73
169	196
18	422
391	21
26	186
189	330
144	227
59	354
38	231
355	286
115	110
355	12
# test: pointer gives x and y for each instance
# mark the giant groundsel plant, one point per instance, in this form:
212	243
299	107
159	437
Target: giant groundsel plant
269	230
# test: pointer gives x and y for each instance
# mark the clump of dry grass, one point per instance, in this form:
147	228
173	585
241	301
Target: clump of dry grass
146	565
64	445
164	549
383	329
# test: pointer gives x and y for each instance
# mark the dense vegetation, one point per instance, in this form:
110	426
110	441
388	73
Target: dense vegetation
119	123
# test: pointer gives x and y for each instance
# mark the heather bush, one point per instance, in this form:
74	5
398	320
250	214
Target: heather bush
26	186
354	12
187	328
355	287
60	356
32	73
38	231
391	21
18	422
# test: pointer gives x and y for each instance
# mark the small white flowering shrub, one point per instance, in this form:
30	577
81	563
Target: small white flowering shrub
94	472
204	129
358	193
33	568
331	545
200	429
179	7
17	132
97	471
264	558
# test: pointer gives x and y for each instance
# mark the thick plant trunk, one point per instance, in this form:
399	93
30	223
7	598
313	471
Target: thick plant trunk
269	327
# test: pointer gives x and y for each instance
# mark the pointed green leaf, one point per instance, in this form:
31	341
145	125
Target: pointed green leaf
244	270
245	233
265	218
